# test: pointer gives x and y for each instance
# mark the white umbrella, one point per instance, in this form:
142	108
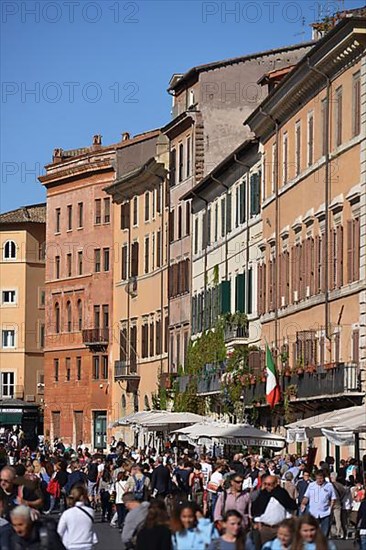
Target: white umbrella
170	420
351	418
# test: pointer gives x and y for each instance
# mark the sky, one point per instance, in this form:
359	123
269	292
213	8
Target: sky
70	69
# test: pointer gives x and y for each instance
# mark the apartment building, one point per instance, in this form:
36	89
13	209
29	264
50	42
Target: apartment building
204	130
140	283
311	280
22	316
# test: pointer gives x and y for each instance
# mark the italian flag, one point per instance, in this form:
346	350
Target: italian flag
273	392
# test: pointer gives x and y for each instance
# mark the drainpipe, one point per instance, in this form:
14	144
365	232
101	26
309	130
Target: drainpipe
226	241
246	231
326	192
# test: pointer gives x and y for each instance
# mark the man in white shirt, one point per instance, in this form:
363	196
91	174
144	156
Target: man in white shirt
321	497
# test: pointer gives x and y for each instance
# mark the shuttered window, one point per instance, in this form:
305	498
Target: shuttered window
228	212
124	274
171	226
134	259
144	340
353	250
123	344
223	217
125	215
225	297
158	337
255	187
310	139
250	291
152	339
356	346
173	167
240	292
242	202
133	349
338	116
339	256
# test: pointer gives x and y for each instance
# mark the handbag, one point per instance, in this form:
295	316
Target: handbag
53	488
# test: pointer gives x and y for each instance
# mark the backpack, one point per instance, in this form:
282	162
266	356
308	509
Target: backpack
139	488
93	472
197	486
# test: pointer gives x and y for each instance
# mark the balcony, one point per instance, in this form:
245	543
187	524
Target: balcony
337	380
127	372
236	334
96	338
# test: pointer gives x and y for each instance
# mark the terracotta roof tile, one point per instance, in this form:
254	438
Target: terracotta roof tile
35	213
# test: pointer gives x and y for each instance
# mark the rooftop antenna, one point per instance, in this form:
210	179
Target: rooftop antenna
303	20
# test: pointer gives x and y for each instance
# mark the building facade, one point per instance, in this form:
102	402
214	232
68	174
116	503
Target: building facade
204	130
311	290
22	309
140	285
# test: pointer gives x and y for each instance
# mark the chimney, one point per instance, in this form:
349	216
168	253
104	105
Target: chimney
57	155
97	139
125	136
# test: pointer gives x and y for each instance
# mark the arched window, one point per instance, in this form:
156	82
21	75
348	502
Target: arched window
69	316
10	250
80	315
57	317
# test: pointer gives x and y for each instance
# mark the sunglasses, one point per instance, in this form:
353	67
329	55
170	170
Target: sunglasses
238	480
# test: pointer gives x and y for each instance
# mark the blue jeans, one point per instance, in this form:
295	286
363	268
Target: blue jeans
363	542
325	525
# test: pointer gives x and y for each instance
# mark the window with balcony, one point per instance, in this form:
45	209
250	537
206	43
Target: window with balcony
356	104
58	220
56	366
107	210
57	318
8	338
97	265
105	310
9	297
69	217
96	316
80	215
10	250
7	384
106	259
78	368
98	211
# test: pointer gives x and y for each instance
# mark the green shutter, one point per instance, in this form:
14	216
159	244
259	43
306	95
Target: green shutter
255	194
225	296
250	290
228	213
240	292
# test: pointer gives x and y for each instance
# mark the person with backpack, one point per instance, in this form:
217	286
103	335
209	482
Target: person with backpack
196	480
138	484
233	498
136	516
76	525
92	475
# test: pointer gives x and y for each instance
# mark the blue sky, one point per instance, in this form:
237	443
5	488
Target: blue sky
103	67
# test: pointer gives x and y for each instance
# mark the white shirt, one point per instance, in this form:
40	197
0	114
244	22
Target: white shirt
207	472
119	487
274	513
217	478
76	529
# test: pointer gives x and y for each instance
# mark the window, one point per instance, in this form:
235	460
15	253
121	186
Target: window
144	340
7	384
356	104
105	315
106	259
105	367
69	264
8	338
285	159
158	249
9	297
188	218
153	201
196	230
179	222
310	139
42	252
135	206
216	222
80	262
173	167
152	339
353	250
158	198
146	261
80	214
97	211
69	316
223	216
255	190
147	206
241	203
124	274
96	316
171	226
78	368
338	116
107	210
69	217
41	298
297	148
96	367
80	315
57	317
10	250
58	220
134	259
125	215
188	157
158	327
181	162
324	125
57	267
274	168
41	335
97	260
56	365
153	252
68	369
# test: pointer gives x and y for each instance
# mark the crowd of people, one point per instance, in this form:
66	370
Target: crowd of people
175	500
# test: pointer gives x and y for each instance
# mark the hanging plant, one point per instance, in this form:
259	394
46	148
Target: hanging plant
310	369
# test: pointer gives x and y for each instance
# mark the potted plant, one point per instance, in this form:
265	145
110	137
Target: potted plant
310	368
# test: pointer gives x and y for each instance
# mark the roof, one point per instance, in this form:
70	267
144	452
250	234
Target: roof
195	71
35	213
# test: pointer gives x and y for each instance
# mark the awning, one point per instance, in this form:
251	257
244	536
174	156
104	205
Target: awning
155	421
233	434
9	416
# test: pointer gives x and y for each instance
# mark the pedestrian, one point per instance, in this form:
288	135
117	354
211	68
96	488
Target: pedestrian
321	497
160	479
119	491
136	515
309	536
215	484
105	491
233	498
361	524
76	525
155	533
340	491
196	481
32	535
289	485
301	487
233	537
189	530
285	536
